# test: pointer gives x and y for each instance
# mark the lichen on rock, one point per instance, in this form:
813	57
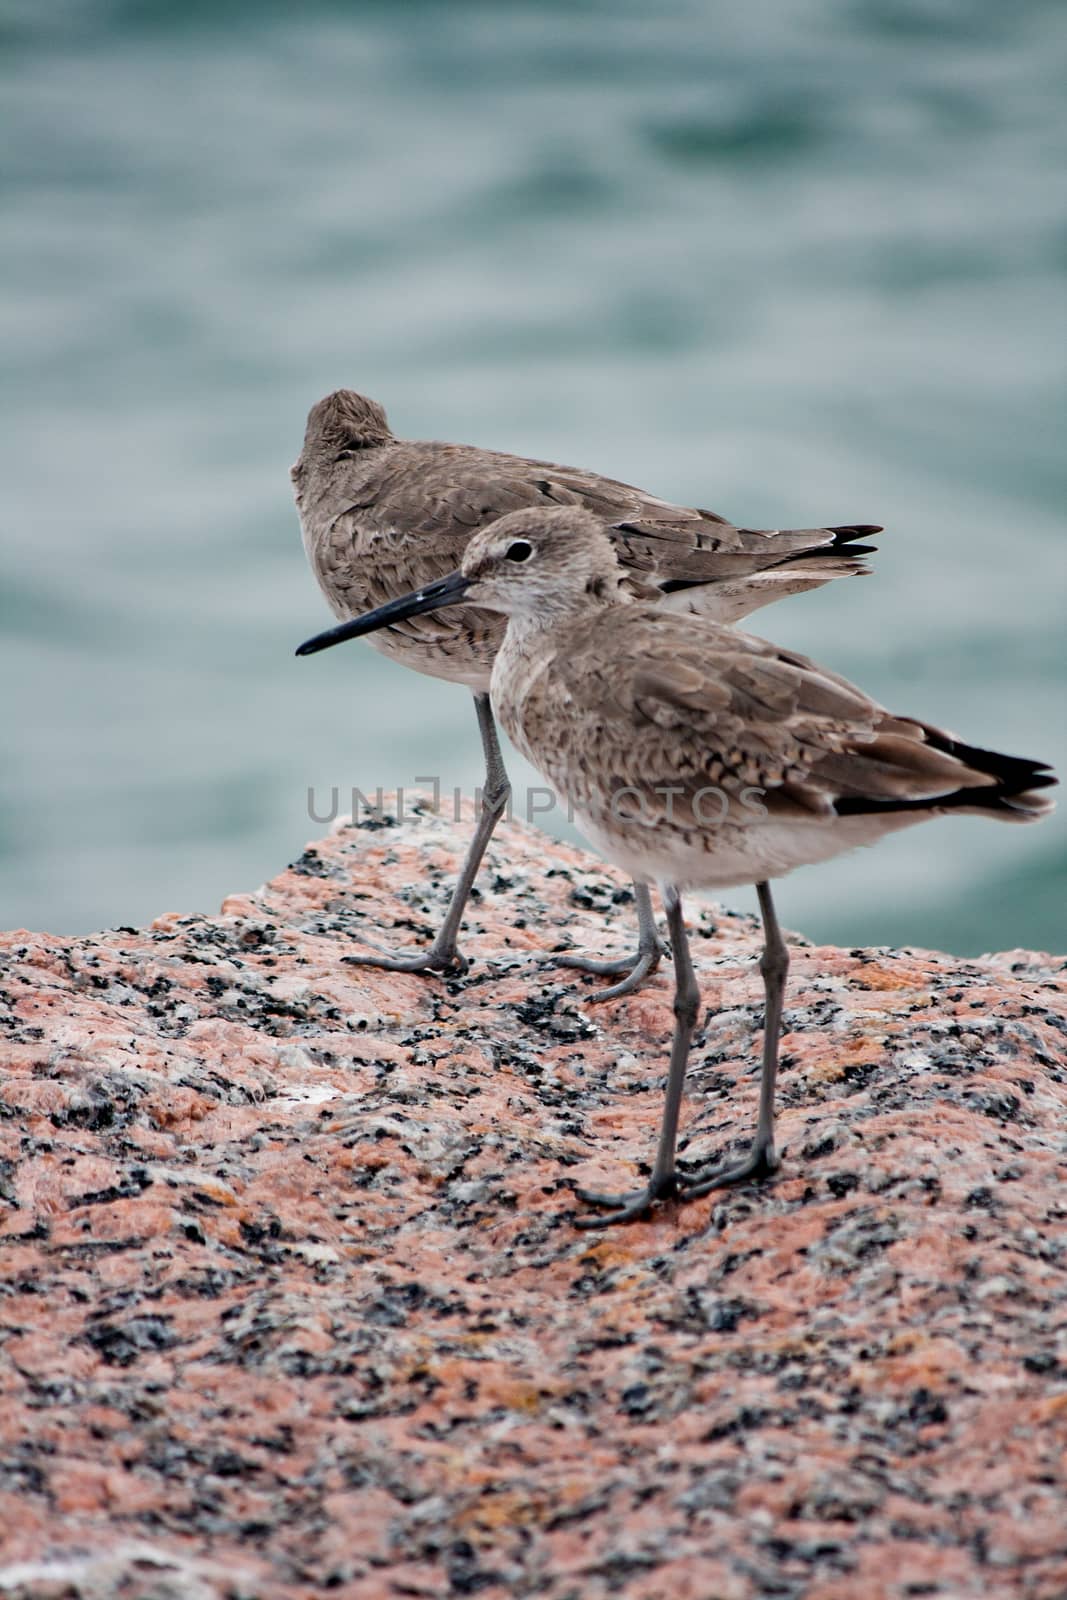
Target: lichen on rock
293	1301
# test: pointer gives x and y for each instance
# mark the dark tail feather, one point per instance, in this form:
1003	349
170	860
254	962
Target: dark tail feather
1014	797
1011	772
1018	779
844	543
858	530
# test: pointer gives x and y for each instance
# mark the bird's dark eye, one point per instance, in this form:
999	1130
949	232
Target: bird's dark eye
519	551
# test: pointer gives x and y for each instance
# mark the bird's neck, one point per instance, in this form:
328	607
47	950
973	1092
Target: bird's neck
562	607
534	638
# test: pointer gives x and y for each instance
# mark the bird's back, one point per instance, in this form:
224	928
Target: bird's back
735	760
382	519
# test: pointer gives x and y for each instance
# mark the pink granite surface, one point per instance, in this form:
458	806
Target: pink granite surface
292	1303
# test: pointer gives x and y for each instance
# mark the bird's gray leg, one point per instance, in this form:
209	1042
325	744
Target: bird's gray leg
443	955
637	967
761	1159
664	1180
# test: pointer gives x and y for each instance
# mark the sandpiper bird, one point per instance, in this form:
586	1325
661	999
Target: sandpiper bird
381	516
697	756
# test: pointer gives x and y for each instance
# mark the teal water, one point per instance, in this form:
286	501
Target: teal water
801	264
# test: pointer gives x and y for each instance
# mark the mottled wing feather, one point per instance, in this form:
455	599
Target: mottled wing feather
400	517
703	704
448	491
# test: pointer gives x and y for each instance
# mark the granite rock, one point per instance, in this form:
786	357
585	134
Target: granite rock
292	1300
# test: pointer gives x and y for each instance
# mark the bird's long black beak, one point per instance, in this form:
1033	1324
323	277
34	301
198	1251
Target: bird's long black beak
446	592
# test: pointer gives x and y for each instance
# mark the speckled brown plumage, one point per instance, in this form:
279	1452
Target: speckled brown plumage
382	516
694	755
603	693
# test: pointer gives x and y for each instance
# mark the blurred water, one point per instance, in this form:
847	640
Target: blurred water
802	264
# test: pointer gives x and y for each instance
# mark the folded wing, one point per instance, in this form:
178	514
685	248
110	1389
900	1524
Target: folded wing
706	705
